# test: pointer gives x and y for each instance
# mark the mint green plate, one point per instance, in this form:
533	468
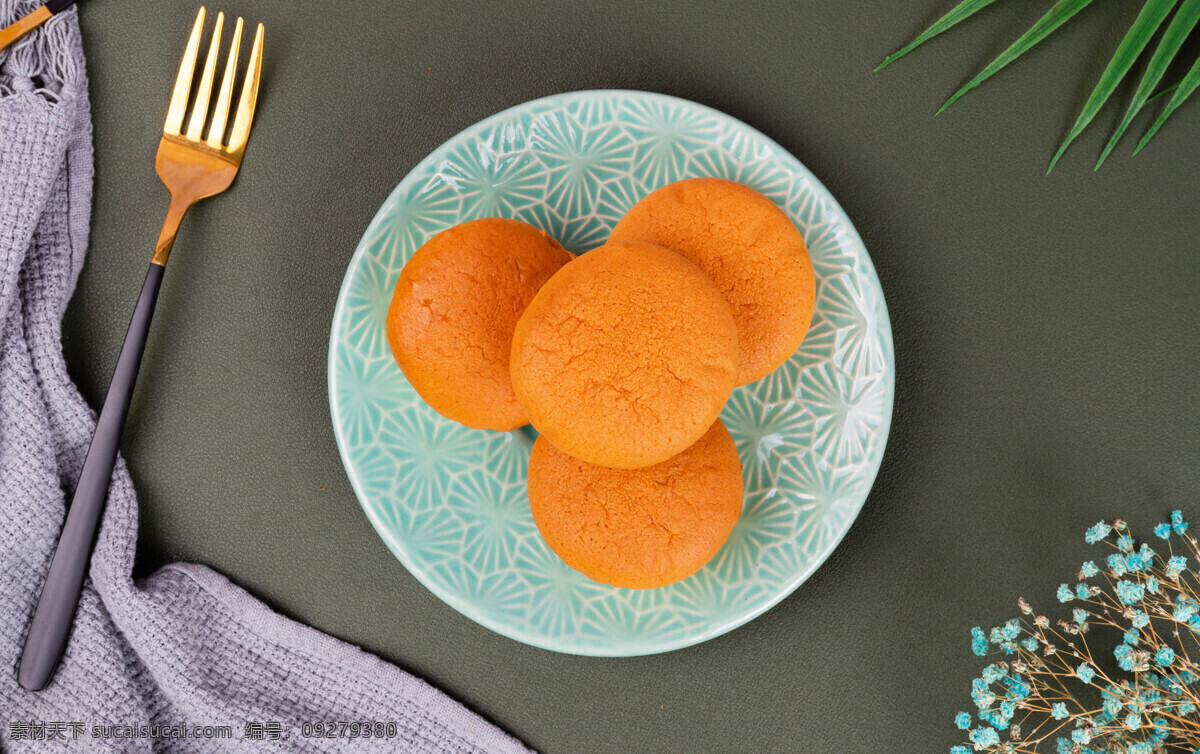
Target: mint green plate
450	502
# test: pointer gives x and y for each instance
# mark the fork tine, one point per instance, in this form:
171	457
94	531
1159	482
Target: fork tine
245	111
200	109
183	83
216	131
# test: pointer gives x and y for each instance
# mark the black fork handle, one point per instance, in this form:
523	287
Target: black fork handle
58	6
60	596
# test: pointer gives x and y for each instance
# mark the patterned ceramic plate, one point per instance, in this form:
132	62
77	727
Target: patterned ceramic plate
450	502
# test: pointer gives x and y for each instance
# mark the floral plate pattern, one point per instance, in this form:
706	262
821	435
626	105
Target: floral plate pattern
450	502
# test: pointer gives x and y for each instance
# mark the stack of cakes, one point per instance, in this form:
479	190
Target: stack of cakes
622	359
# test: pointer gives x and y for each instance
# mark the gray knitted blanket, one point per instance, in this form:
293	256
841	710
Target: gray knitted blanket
182	660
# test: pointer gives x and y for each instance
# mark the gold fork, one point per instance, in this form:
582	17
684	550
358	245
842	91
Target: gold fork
192	167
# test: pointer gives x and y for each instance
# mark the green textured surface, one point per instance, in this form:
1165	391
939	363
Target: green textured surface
1045	333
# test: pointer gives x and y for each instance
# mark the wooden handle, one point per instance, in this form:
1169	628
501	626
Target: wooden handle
24	25
56	607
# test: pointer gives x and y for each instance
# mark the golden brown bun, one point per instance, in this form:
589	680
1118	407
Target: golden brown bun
638	528
751	250
626	356
453	312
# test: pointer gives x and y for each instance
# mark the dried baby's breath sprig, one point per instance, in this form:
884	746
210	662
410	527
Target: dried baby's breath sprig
1049	690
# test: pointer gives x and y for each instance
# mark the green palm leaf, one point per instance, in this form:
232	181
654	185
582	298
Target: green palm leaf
1163	92
961	12
1153	13
1150	19
1181	26
1062	12
1183	91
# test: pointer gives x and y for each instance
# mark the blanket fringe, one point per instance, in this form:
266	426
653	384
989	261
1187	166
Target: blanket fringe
40	63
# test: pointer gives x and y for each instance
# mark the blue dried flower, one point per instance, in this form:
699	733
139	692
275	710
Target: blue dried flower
979	643
1085	672
1097	533
1130	593
1012	629
1160	730
1177	522
981	694
983	737
1128	712
1112	707
1175	566
1018	689
996	718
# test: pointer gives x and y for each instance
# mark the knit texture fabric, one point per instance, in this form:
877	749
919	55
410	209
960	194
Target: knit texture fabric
184	646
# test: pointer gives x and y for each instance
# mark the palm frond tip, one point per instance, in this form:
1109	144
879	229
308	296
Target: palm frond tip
1153	14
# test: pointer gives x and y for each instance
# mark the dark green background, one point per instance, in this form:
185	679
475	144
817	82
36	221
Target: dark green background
1046	335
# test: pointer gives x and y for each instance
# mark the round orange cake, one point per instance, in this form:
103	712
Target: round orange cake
638	528
751	250
451	321
626	356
